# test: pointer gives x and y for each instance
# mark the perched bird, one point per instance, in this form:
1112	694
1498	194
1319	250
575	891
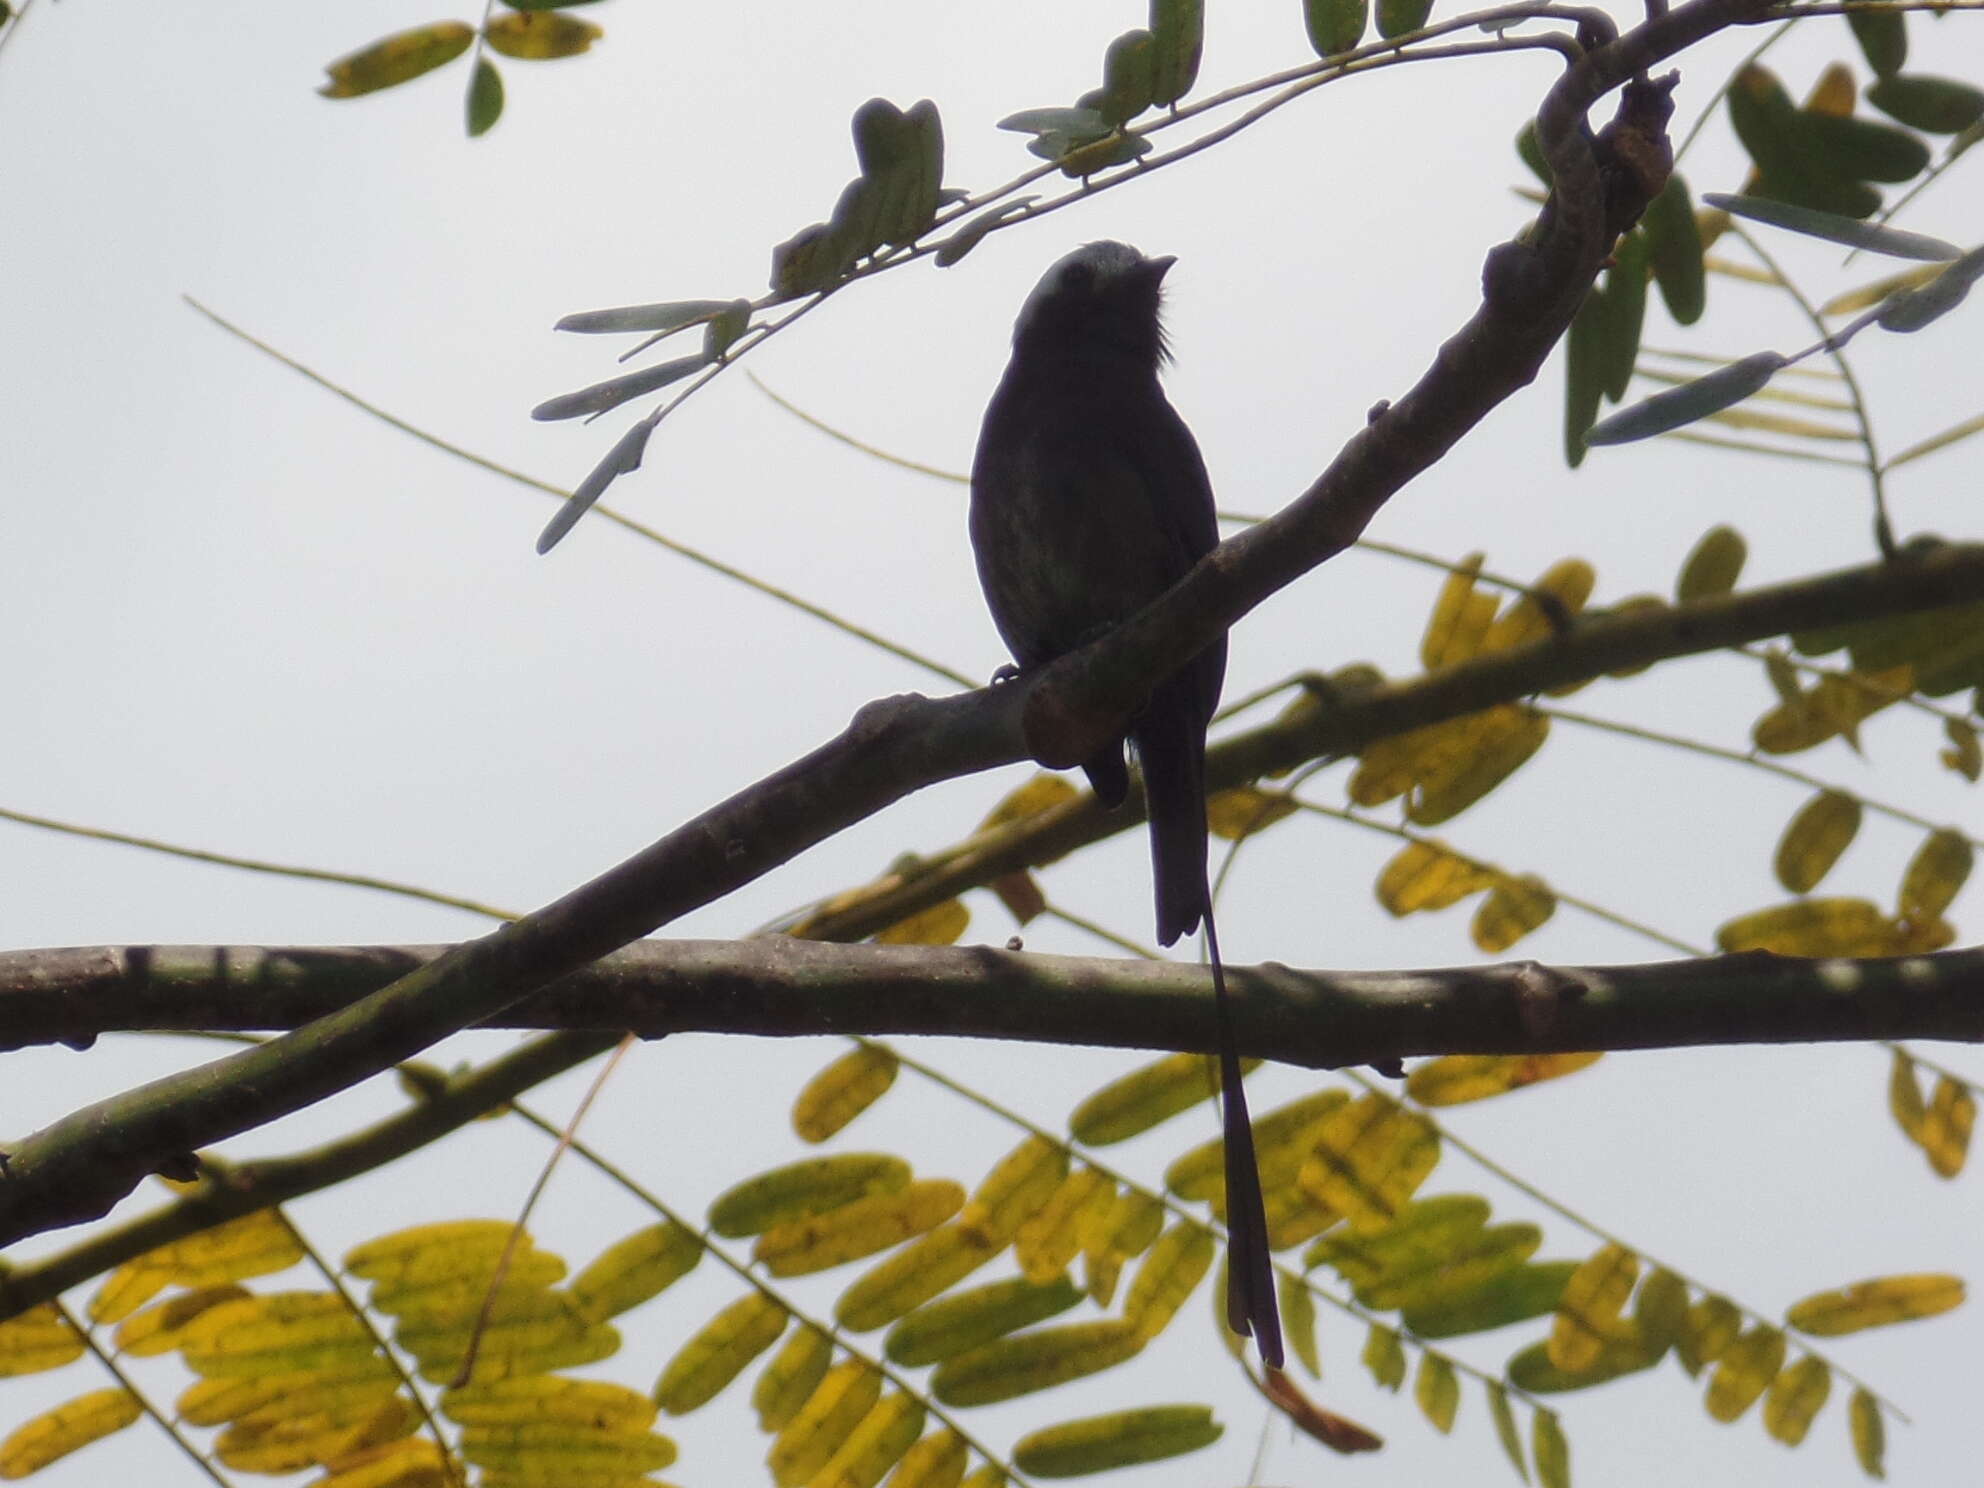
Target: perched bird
1089	499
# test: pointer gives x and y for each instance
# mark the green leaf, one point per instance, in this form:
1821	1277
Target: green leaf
1624	312
1584	375
1126	77
1552	1451
1397	17
1674	244
1932	104
540	36
485	98
1688	402
1837	229
1883	38
397	59
623	459
610	394
1335	25
1178	29
1908	310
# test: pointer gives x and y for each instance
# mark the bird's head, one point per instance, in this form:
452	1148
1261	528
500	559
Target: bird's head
1103	295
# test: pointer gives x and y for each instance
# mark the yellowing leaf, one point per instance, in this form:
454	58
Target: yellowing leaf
842	1091
819	1242
962	1321
411	1462
1744	1372
1796	1396
890	1429
1559	594
1460	620
1487	748
1511	911
1712	1325
1113	1235
1621	1353
397	59
39	1339
1510	1294
1712	569
70	1427
1051	1236
846	1395
157	1329
550	1398
1965	755
1024	1180
1029	1362
1429	875
1905	1097
1935	874
1551	1450
540	35
257	1244
937	1461
1505	1428
1168	1276
1816	836
1437	1391
427	1252
1040	794
545	1451
1869	1434
1298	1321
1590	1312
1384	1356
1138	1101
1455	1079
1810	927
276	1333
1945	1134
1875	1304
1369	1159
786	1383
1660	1311
912	1276
717	1353
798	1189
1124	1439
939	925
643	1265
1234	814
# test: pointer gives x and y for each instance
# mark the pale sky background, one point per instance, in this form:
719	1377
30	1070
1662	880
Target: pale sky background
248	618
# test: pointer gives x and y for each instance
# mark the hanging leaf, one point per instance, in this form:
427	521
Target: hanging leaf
813	1186
937	1461
1511	911
1551	1450
843	1090
962	1321
1029	1362
1796	1397
1869	1434
1935	875
788	1381
485	98
1744	1372
642	1266
1505	1427
1712	1326
1384	1356
1945	1134
876	1444
844	1398
1052	1235
1591	1309
1169	1275
1298	1321
1964	755
1674	247
71	1426
397	59
1370	1157
1141	1099
1883	38
1823	829
1429	875
1123	1439
1436	1390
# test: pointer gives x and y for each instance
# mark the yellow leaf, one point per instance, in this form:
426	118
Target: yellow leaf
1455	1079
157	1329
257	1244
277	1333
962	1321
528	1333
718	1352
842	1091
1869	1434
411	1462
1935	874
1551	1450
1024	1180
1298	1322
550	1398
847	1393
1796	1396
540	35
1041	794
427	1252
820	1242
1460	619
39	1339
1485	749
1810	927
1559	594
70	1427
1905	1097
1138	1101
1168	1276
1384	1356
1505	1427
789	1380
1051	1236
1793	726
397	59
1437	1391
1238	813
1834	93
1945	1135
551	1451
937	1461
939	925
1712	569
1964	755
1514	908
1875	1304
1744	1372
1370	1157
1712	1325
1113	1235
1590	1312
640	1267
1430	875
796	1190
1030	1362
912	1276
1123	1439
877	1444
1816	836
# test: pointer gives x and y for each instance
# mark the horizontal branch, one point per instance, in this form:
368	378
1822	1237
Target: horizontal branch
777	986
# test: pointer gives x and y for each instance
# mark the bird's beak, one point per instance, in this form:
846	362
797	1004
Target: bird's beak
1158	267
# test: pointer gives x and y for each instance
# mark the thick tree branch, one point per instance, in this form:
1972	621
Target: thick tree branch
780	987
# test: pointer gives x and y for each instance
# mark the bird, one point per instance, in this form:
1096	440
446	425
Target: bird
1089	499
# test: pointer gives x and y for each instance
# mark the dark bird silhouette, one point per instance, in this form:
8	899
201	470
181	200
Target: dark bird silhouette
1089	499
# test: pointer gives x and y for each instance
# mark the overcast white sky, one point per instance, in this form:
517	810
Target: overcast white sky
245	616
